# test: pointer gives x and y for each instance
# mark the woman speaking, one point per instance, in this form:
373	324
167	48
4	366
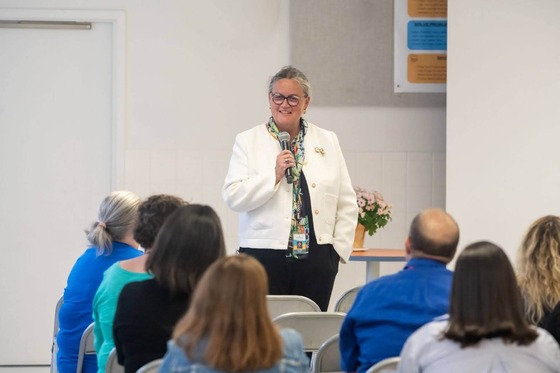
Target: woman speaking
288	180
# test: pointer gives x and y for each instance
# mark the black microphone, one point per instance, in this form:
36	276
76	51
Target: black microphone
284	138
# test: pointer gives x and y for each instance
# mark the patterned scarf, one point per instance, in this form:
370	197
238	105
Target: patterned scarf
300	222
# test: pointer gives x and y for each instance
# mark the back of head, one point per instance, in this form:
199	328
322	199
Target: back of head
151	216
435	234
229	309
485	300
539	266
116	217
188	242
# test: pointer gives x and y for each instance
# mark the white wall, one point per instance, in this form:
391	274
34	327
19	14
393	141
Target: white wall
197	74
503	117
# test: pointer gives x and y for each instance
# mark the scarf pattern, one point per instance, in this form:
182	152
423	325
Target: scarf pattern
298	243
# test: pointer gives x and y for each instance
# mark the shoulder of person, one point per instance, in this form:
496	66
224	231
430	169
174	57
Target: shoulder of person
115	268
254	135
434	328
545	337
290	335
138	286
256	130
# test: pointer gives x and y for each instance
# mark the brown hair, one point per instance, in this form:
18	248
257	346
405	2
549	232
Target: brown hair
229	314
188	242
539	267
485	300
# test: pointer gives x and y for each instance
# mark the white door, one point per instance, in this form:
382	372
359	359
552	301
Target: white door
56	164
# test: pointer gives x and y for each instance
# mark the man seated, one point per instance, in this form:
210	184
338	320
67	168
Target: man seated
388	310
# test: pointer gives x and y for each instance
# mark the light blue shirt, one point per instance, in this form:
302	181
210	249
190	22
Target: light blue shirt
426	351
294	359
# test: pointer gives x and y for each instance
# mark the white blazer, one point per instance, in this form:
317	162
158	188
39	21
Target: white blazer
266	208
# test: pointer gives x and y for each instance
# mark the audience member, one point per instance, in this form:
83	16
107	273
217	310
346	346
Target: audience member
539	274
151	216
111	240
189	241
486	330
228	327
387	310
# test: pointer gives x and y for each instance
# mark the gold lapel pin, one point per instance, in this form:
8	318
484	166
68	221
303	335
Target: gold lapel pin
320	150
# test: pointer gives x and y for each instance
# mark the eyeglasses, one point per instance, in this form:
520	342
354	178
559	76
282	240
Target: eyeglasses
279	98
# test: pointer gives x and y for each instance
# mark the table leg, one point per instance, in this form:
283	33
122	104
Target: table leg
372	271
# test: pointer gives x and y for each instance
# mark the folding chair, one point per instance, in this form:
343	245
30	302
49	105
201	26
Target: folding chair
281	304
327	359
54	348
86	347
344	303
151	367
314	327
388	365
113	365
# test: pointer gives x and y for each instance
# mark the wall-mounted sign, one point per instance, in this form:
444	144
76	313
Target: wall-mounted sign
420	37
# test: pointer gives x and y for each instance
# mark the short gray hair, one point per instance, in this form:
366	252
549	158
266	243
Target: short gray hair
116	217
290	72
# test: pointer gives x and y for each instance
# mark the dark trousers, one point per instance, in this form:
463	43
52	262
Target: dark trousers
312	277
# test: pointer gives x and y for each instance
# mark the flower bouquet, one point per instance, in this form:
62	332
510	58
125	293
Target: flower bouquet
373	211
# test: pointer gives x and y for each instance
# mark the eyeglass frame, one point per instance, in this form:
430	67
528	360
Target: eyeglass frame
285	98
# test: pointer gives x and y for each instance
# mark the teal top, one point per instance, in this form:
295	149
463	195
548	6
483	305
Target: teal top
104	307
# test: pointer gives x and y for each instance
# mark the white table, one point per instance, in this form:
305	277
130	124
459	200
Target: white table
374	256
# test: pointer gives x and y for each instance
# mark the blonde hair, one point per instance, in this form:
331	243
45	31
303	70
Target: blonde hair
229	315
116	217
539	267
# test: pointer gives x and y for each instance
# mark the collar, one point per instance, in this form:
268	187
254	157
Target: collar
423	263
119	244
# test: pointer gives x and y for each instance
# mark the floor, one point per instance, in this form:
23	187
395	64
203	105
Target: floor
25	369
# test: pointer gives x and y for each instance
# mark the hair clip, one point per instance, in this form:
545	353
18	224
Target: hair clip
320	150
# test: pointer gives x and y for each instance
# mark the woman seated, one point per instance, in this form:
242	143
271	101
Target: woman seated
539	274
486	330
111	240
151	216
228	328
188	242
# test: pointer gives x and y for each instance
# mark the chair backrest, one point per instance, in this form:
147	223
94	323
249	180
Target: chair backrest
54	347
151	367
346	300
327	359
281	304
86	347
314	327
113	365
388	365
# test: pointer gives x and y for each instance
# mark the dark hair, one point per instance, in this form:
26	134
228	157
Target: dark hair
485	299
151	216
188	242
290	72
434	232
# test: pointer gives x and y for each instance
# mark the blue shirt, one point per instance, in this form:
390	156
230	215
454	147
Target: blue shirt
76	312
388	310
294	359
